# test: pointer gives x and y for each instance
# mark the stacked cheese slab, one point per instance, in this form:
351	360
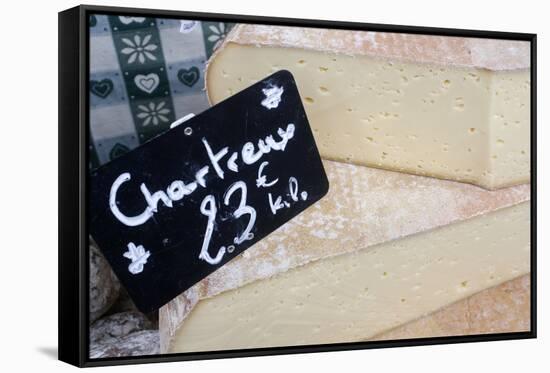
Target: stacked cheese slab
455	108
385	254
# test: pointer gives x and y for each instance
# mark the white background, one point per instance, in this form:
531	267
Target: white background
28	182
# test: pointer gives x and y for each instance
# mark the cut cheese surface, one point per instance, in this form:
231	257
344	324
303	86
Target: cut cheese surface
467	122
358	295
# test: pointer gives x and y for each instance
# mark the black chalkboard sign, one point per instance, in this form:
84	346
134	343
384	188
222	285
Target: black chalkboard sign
180	206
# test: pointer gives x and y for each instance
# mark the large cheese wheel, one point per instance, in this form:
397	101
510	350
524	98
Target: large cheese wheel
447	107
377	237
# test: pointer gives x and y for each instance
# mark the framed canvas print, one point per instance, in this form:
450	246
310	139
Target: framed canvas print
238	186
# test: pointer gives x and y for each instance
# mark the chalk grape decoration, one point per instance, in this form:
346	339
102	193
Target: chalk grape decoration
175	209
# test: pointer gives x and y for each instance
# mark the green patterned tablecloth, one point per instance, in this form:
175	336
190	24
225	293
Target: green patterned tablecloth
144	74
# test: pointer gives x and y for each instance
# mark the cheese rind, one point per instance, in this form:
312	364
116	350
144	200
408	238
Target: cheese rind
464	122
490	54
356	296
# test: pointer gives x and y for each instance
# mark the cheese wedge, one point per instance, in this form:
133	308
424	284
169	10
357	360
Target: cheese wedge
355	296
451	108
381	249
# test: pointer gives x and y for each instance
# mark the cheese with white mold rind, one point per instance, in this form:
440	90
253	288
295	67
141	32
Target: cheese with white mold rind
452	108
363	208
358	295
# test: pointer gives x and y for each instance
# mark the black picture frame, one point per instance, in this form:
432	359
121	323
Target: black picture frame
74	139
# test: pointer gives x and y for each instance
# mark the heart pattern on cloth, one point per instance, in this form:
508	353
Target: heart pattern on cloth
187	26
118	150
189	76
101	88
147	83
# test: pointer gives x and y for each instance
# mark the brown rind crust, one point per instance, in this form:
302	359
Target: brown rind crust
491	54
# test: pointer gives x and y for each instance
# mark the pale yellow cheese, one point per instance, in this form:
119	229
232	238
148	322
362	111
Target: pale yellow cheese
462	123
358	295
364	207
505	308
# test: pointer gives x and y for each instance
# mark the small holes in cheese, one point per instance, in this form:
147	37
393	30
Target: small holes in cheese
474	77
459	104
